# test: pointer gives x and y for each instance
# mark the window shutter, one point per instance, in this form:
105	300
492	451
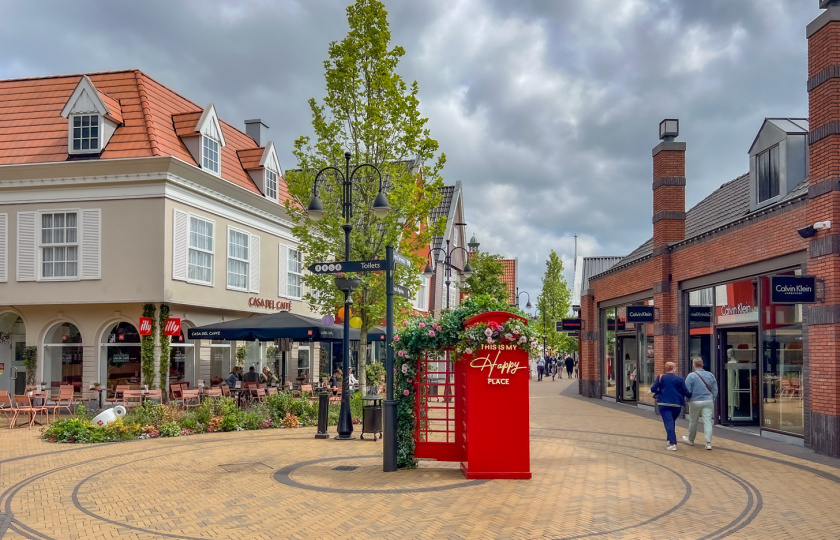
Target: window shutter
4	247
91	240
180	237
26	246
282	271
254	264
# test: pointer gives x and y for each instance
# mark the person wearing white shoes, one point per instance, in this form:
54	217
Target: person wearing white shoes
704	391
670	393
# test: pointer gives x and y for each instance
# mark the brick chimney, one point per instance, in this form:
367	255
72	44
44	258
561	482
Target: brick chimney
668	227
822	321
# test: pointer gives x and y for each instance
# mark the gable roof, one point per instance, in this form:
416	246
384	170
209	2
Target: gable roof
448	209
585	268
729	203
154	118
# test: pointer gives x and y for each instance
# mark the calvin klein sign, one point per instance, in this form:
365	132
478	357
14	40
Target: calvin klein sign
793	289
640	314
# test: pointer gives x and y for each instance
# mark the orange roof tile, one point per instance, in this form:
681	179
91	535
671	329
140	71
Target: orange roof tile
153	119
250	158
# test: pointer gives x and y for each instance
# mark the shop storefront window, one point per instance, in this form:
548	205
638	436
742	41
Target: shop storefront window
608	363
736	302
646	365
782	364
303	367
700	305
219	361
63	357
121	351
181	360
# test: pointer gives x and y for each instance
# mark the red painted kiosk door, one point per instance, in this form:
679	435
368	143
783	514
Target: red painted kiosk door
439	420
497	441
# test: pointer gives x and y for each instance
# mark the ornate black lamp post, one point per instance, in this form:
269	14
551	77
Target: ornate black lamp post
316	211
528	305
447	261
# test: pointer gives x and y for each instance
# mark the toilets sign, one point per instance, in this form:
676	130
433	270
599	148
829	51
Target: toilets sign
793	289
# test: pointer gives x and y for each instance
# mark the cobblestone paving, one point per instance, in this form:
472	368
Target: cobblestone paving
597	472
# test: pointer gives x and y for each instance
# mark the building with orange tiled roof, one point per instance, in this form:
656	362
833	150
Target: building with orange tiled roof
511	278
116	192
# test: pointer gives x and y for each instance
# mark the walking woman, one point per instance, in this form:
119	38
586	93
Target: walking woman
670	393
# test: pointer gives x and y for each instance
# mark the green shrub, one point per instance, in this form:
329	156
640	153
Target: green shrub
169	429
119	430
356	405
74	430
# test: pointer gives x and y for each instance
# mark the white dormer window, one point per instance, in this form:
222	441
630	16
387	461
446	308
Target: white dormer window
271	184
85	133
210	153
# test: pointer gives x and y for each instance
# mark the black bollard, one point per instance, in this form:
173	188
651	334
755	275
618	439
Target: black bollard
323	415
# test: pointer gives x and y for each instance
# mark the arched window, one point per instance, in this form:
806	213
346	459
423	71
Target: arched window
121	354
63	356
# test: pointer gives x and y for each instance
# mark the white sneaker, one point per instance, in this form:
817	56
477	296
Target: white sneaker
708	446
672	447
686	441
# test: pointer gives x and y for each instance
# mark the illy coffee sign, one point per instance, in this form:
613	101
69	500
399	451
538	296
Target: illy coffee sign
145	326
640	314
793	289
172	327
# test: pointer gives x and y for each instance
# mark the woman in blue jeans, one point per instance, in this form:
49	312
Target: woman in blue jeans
670	392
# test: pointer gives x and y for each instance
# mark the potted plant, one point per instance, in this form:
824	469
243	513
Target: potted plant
241	354
30	362
97	386
344	283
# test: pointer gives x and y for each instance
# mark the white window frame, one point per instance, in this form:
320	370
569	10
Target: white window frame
294	255
421	299
246	260
72	138
211	252
41	245
207	162
271	184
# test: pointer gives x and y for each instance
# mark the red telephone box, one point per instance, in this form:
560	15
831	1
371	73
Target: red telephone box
481	419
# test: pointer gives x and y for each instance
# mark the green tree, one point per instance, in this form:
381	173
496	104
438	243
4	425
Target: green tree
372	113
553	304
487	276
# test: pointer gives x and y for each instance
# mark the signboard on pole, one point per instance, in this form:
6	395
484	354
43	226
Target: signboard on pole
640	314
399	290
402	260
567	325
145	326
347	266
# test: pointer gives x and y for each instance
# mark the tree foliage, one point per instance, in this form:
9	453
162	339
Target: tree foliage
553	304
487	278
372	113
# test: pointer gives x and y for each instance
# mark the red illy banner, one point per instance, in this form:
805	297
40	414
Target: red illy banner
145	326
172	327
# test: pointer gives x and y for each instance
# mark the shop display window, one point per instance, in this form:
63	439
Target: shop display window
121	351
63	356
610	352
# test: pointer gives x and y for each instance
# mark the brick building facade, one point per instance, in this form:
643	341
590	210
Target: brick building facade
708	274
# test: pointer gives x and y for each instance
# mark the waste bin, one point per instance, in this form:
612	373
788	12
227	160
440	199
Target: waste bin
372	417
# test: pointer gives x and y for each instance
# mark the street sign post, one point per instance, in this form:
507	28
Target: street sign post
348	266
399	290
402	260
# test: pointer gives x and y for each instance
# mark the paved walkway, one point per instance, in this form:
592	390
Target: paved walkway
599	470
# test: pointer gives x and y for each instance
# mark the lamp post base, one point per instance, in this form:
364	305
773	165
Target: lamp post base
345	437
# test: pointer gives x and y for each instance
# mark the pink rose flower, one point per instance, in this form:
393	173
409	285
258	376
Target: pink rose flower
409	381
396	338
422	325
431	333
401	353
406	392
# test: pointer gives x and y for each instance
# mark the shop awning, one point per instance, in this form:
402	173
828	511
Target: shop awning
280	325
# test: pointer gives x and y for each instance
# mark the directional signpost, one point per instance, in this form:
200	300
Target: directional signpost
348	266
402	260
399	290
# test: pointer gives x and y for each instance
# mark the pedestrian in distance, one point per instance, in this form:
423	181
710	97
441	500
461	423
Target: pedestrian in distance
577	373
670	393
570	365
540	369
704	391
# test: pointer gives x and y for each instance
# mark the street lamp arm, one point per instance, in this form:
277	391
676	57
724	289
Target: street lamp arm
362	166
318	177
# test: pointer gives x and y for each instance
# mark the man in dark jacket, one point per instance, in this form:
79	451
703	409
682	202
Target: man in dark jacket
570	365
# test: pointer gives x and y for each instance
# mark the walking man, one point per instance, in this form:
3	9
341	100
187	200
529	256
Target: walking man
570	365
540	369
704	391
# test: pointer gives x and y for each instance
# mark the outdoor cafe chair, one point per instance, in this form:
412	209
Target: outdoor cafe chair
7	408
225	390
213	392
132	399
259	395
191	398
118	392
155	395
63	401
23	404
271	390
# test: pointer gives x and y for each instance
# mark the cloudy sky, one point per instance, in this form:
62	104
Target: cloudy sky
546	109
